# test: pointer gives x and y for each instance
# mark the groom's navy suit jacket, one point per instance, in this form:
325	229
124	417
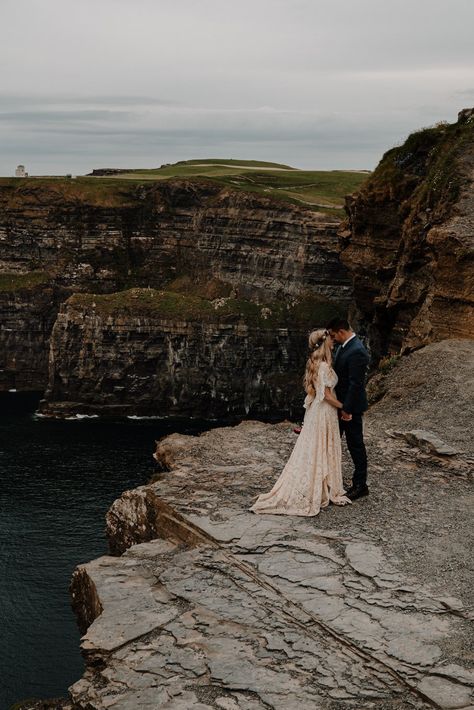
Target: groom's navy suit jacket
350	364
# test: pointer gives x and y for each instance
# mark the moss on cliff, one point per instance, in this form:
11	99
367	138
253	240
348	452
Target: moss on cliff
308	310
210	289
91	191
424	169
19	282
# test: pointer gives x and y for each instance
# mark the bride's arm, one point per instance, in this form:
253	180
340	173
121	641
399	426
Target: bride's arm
329	397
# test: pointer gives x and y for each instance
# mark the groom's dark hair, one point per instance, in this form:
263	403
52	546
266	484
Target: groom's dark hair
338	324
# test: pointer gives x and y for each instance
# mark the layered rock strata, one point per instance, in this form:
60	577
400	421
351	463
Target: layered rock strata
147	352
189	237
28	308
118	234
210	606
409	241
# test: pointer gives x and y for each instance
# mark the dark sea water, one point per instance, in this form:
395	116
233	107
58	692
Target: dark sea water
57	479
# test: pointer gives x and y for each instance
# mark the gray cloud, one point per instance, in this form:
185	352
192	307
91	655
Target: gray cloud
45	99
313	83
37	118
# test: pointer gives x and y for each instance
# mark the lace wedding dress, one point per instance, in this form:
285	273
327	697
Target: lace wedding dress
312	476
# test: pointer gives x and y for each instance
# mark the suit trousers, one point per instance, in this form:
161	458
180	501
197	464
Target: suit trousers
355	443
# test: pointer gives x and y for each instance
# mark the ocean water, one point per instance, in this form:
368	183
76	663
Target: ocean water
57	480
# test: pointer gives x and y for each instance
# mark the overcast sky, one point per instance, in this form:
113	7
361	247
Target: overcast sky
312	83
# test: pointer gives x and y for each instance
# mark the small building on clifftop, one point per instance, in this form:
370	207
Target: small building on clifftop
20	171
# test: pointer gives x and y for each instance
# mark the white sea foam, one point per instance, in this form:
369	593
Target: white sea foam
153	416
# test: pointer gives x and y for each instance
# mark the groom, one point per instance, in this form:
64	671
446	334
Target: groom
350	364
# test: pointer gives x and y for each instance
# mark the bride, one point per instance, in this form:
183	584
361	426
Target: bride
312	477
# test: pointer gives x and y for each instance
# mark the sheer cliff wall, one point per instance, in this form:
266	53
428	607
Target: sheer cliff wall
109	236
147	352
409	241
188	239
27	314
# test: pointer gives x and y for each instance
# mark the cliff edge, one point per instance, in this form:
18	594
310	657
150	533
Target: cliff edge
206	605
409	241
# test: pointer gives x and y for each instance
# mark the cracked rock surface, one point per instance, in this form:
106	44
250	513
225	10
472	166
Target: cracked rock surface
211	606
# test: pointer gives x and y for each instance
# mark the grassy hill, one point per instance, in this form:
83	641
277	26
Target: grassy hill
232	162
321	189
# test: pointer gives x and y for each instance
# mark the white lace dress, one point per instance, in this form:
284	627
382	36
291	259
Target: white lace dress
312	476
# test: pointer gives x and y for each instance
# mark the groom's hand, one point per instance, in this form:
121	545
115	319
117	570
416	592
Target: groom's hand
345	416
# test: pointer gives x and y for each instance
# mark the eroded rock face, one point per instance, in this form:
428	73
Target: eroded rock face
212	359
431	388
409	241
27	316
122	234
184	236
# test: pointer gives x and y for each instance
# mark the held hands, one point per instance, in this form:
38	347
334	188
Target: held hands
345	416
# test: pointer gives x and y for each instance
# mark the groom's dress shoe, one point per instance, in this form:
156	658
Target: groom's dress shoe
357	492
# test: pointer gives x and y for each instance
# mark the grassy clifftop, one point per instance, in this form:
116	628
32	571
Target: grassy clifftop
321	190
313	188
235	163
425	169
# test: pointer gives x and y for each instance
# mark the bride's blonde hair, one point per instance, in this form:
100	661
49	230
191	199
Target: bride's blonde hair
320	349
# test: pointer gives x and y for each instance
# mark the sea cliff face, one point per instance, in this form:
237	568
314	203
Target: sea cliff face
250	262
106	235
409	241
28	307
148	352
407	247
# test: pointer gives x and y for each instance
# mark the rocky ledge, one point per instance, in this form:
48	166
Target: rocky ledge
211	606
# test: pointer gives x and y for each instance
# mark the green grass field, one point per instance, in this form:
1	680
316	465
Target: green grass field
233	162
322	190
314	188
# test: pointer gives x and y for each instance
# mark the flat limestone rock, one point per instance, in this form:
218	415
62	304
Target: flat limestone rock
426	441
212	606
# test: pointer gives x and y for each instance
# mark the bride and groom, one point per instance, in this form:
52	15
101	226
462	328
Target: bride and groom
335	402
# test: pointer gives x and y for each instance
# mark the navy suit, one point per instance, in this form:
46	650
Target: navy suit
350	364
